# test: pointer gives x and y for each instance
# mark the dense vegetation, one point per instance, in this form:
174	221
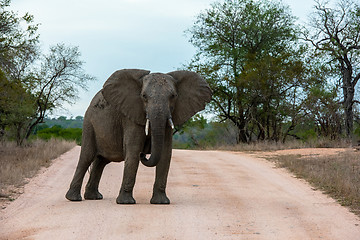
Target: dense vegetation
274	79
32	83
60	128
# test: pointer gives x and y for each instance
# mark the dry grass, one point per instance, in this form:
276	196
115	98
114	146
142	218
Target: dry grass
19	163
263	146
337	175
295	144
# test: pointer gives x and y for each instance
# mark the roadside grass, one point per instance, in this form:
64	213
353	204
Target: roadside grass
335	175
19	163
291	144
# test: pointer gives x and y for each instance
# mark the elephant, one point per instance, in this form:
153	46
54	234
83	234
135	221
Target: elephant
134	114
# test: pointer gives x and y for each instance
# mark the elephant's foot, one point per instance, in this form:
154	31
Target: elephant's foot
92	195
125	198
159	198
73	195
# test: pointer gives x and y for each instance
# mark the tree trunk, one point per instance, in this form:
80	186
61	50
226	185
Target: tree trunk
242	133
348	90
349	114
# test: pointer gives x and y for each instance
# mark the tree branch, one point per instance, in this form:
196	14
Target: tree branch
356	79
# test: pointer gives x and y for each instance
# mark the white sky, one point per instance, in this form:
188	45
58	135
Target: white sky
116	34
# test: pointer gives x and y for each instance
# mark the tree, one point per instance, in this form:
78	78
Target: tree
16	107
242	49
18	50
18	41
335	34
79	118
57	81
33	84
192	128
62	118
324	111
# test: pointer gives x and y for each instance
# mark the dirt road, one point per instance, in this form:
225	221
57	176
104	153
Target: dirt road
215	195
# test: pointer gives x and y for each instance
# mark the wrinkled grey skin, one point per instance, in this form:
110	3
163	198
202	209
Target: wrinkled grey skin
114	128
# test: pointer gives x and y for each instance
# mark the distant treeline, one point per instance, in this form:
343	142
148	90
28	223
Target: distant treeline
62	121
61	127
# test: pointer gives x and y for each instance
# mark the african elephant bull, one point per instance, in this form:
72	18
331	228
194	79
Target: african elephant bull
133	115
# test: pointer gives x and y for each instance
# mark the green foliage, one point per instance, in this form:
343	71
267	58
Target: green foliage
18	49
62	128
18	40
59	132
325	110
33	84
249	54
16	106
266	81
199	134
197	121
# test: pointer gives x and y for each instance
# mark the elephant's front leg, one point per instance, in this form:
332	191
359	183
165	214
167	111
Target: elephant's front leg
128	182
162	171
159	190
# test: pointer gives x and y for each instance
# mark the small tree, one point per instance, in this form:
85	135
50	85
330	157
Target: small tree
334	34
57	81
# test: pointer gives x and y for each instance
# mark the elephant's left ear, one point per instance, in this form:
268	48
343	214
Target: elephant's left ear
193	94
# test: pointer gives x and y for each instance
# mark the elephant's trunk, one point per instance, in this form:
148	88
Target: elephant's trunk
157	129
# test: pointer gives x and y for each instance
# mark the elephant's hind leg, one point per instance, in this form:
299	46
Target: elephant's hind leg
87	156
92	187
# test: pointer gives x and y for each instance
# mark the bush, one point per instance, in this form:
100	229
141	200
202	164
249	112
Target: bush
61	133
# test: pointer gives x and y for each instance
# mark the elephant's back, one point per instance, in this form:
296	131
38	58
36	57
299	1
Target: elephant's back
98	102
99	108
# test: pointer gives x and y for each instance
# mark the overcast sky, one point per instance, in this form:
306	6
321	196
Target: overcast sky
116	34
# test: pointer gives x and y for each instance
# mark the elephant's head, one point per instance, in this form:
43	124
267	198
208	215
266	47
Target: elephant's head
156	101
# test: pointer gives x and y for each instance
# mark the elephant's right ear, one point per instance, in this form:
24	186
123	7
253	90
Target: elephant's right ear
122	90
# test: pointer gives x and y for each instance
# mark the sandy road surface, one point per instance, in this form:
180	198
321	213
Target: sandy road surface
215	195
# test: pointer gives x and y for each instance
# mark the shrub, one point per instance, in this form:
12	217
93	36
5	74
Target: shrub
60	133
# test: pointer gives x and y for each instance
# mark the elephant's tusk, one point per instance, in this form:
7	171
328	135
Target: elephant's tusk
171	123
147	127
